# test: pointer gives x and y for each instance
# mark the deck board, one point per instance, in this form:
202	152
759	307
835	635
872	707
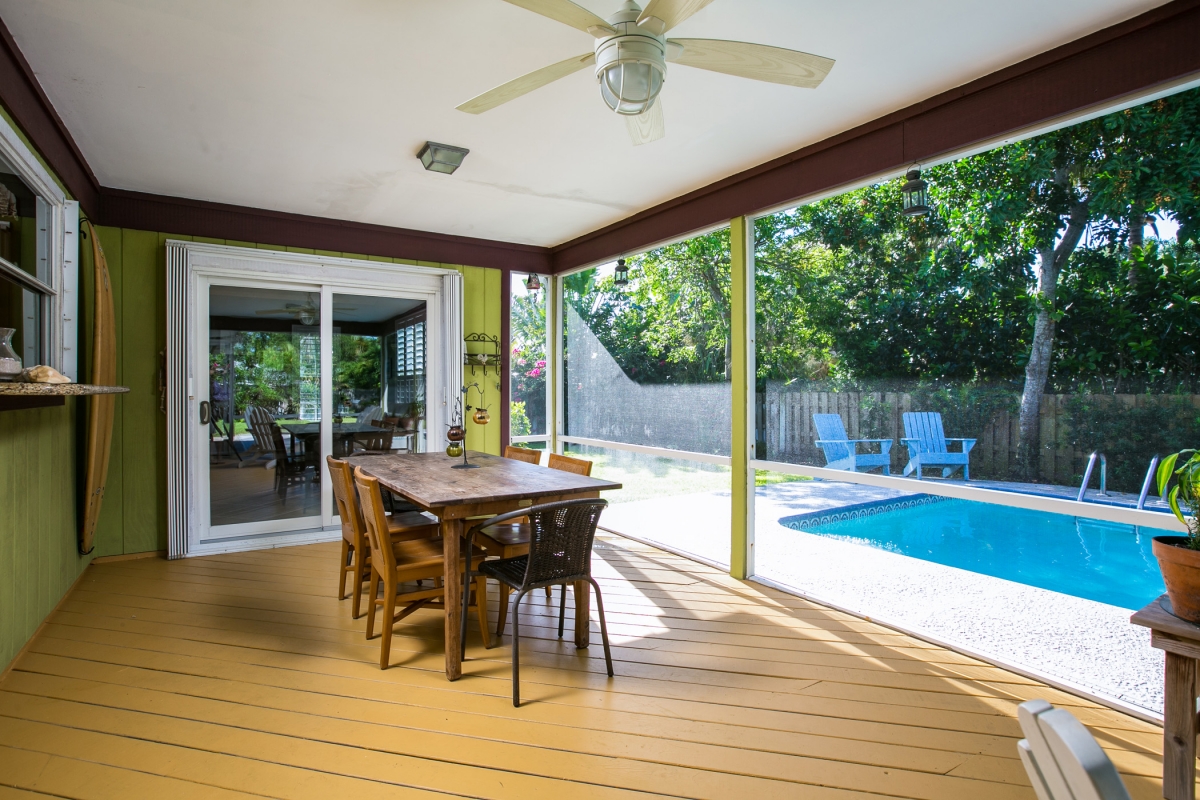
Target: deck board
241	675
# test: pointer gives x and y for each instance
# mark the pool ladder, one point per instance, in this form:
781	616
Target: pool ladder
1091	465
1087	476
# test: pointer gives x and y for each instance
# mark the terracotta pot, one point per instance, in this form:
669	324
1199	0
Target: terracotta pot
1180	567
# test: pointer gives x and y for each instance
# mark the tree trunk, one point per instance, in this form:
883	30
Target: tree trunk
1051	261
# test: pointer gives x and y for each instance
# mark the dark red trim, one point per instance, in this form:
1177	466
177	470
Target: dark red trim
1124	60
23	98
505	356
124	209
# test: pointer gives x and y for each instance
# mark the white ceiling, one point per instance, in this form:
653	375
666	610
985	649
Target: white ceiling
319	106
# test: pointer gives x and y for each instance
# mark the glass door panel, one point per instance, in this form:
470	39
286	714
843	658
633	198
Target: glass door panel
379	375
265	417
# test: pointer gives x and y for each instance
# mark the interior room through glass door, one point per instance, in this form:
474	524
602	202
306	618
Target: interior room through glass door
379	376
264	418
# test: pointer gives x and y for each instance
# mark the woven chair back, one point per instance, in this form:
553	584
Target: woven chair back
375	517
579	466
528	455
354	529
560	542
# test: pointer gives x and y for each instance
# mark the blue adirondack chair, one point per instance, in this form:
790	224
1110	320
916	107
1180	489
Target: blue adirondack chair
928	445
842	452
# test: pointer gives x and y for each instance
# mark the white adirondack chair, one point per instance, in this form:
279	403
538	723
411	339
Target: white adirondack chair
260	422
369	415
1062	758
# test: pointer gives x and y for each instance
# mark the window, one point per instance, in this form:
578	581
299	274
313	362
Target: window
38	275
646	391
529	368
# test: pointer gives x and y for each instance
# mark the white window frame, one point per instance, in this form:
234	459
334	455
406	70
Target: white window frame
59	272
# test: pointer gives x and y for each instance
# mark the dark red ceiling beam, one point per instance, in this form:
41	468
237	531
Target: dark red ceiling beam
31	109
124	209
1127	59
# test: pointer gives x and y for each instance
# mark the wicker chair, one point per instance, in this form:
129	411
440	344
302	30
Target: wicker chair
526	454
560	553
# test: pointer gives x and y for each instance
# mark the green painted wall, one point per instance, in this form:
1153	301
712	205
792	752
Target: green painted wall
133	518
38	558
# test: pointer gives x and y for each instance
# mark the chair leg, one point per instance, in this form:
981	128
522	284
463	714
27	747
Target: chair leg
516	653
372	601
966	472
389	620
356	609
503	610
549	592
344	564
603	626
481	609
466	593
562	608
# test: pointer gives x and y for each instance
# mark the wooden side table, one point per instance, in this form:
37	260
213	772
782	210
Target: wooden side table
1180	640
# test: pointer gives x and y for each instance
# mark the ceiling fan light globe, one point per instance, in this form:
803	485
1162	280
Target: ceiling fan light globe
631	68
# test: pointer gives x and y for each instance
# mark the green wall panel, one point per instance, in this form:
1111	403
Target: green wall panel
38	558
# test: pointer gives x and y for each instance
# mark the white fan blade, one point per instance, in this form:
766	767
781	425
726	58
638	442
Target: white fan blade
649	126
669	12
526	84
568	13
758	62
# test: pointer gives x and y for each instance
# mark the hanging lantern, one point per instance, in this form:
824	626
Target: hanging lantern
621	274
916	194
532	283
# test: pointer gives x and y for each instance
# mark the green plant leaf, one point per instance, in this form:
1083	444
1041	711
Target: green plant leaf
1165	470
1173	501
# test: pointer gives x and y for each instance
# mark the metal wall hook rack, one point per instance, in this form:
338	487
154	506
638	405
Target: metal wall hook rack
486	353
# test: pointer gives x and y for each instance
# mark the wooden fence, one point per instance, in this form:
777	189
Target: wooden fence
786	419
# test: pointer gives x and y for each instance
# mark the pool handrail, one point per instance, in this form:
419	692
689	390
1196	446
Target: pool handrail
1087	476
1141	504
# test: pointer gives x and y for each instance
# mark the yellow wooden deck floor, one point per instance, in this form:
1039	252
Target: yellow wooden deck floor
242	675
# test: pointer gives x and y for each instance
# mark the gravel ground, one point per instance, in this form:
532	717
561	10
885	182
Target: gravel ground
1072	641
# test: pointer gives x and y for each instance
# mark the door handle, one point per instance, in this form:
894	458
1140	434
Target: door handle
205	412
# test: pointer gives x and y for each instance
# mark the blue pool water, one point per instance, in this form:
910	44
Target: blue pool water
1102	561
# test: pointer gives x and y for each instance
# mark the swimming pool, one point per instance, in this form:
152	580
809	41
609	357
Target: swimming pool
1103	561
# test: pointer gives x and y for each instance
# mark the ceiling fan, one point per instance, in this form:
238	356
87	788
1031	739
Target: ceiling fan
631	55
307	313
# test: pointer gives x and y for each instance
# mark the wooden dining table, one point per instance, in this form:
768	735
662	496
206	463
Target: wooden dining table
497	485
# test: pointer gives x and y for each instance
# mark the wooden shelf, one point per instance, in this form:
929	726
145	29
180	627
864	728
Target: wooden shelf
19	396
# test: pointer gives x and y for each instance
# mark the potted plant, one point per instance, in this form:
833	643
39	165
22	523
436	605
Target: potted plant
1179	556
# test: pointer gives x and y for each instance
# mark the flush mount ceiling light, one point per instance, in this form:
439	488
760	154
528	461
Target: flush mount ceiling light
630	55
442	157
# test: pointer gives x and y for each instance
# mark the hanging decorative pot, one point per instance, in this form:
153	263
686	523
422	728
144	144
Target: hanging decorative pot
454	449
456	433
481	416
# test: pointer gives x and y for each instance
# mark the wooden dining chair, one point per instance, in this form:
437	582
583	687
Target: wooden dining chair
580	466
396	564
511	539
356	553
526	454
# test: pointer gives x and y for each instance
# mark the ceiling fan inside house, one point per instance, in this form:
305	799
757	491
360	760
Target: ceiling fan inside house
306	313
631	54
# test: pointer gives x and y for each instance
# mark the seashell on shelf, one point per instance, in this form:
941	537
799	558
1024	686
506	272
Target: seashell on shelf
42	374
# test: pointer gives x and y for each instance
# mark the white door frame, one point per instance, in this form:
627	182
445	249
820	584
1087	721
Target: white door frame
191	268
